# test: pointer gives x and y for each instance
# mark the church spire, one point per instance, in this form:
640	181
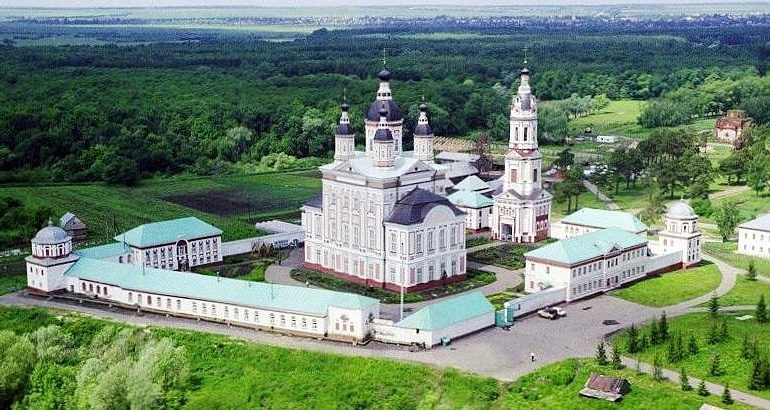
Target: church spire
423	135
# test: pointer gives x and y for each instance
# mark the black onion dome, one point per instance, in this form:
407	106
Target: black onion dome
345	106
344	129
423	129
525	71
394	113
384	75
383	134
423	107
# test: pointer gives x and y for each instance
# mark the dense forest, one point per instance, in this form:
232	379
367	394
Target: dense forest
223	103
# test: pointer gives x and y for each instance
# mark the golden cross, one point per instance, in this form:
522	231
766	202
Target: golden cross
384	61
345	94
525	55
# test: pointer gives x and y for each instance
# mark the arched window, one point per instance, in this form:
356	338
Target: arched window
525	133
149	300
83	285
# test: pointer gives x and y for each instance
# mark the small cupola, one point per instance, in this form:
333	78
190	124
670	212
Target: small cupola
51	242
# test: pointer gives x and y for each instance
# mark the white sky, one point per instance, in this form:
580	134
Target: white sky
316	3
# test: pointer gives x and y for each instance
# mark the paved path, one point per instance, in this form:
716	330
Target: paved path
733	190
612	206
714	389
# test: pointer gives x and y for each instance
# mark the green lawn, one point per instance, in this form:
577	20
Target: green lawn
735	370
725	251
235	201
745	292
556	386
673	287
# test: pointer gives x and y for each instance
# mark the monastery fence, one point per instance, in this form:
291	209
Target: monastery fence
387	332
664	262
534	301
278	240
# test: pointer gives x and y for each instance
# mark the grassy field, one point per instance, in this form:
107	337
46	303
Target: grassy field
735	370
725	251
232	203
228	373
745	292
556	386
585	200
619	118
233	374
673	287
749	204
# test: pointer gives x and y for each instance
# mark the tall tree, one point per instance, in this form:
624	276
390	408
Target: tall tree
727	217
758	170
601	354
564	159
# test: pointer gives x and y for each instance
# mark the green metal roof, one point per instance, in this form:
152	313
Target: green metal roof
222	290
584	247
469	199
450	311
165	232
103	251
601	218
472	183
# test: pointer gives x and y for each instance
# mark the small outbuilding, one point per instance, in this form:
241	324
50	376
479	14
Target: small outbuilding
74	227
451	318
606	388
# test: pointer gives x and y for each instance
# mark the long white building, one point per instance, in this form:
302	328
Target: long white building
606	259
94	273
382	219
521	212
177	244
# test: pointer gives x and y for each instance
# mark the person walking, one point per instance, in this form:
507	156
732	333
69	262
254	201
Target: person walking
532	356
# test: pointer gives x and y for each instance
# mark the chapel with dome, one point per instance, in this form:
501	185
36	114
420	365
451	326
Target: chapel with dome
681	233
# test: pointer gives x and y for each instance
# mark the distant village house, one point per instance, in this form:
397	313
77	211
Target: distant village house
730	127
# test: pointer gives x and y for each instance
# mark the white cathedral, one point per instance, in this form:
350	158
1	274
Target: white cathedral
521	212
383	219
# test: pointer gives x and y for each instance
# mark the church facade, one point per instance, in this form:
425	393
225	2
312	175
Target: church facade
383	219
521	212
